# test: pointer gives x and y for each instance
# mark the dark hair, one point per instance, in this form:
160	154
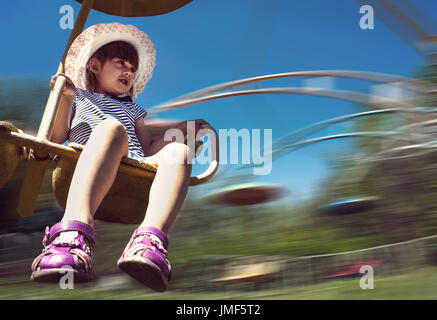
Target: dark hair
115	49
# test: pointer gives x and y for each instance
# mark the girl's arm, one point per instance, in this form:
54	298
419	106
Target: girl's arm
62	123
152	144
63	118
143	135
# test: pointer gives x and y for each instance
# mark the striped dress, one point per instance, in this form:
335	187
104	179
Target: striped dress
90	108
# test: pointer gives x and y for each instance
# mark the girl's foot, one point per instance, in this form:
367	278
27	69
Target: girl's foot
67	248
145	258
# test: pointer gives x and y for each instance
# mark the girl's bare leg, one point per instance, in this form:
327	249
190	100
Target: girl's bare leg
96	170
169	187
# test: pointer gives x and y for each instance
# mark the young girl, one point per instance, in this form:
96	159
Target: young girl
107	66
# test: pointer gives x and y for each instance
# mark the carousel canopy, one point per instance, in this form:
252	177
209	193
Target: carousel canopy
137	8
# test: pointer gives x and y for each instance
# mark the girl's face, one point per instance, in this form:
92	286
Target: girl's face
114	77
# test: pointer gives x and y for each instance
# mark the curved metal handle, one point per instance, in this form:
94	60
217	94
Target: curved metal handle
213	167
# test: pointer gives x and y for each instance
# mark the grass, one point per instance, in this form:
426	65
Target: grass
420	284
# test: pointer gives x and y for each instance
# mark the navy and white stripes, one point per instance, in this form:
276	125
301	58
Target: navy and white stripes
90	108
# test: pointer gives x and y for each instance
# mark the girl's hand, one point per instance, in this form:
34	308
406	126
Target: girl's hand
199	124
69	89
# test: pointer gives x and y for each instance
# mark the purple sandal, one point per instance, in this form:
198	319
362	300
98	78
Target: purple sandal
67	248
151	267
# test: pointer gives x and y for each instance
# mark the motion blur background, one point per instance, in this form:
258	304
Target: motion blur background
311	242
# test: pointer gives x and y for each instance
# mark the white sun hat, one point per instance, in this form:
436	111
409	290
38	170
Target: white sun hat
96	36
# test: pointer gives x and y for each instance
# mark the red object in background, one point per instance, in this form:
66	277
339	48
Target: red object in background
350	269
242	195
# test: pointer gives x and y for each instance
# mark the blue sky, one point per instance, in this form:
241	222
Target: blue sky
209	42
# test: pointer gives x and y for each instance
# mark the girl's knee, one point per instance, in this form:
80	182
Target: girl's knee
113	129
176	152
